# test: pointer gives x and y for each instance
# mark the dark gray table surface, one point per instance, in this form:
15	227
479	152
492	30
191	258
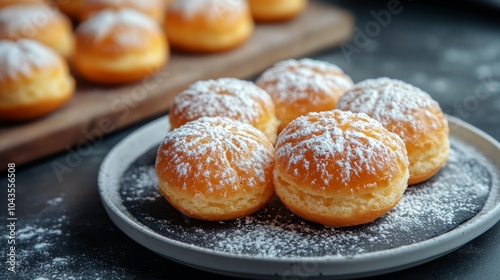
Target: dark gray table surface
450	49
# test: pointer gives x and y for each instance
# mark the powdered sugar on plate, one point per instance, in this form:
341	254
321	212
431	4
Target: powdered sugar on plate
453	196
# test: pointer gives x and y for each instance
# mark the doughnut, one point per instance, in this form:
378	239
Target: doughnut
209	25
5	3
276	10
122	46
228	97
71	8
152	8
215	168
409	112
339	169
39	22
34	80
298	87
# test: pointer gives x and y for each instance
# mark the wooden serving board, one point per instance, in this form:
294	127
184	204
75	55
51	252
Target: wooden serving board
97	110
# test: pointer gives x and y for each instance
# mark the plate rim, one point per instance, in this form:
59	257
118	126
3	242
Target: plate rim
325	265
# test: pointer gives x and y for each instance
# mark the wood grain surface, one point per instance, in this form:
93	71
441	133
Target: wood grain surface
97	110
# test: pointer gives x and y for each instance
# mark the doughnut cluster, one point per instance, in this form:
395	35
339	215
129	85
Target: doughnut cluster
334	152
114	42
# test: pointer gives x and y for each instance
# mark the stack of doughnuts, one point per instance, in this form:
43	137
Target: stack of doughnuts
113	42
345	164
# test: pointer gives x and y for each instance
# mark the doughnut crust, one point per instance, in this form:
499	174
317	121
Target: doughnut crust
114	47
34	80
5	3
227	97
72	8
298	87
276	10
208	26
409	112
152	8
216	168
38	22
338	169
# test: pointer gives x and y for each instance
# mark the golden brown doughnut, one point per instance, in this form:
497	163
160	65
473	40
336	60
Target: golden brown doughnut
152	8
34	80
227	97
71	8
5	3
208	25
120	46
409	112
298	87
39	22
216	168
276	10
338	169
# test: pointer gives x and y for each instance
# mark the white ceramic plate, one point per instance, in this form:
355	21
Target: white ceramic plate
458	204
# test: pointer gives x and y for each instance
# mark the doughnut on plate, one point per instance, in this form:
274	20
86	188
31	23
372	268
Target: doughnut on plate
458	204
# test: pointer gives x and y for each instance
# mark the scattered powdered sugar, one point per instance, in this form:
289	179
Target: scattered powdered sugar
349	144
23	20
294	80
229	9
55	201
453	196
144	179
17	58
103	23
55	242
216	149
233	98
396	104
38	236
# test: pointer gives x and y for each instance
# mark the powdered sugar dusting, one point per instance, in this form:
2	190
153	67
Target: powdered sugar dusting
55	242
453	196
102	24
394	103
20	57
221	149
293	80
209	8
237	99
19	19
354	143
